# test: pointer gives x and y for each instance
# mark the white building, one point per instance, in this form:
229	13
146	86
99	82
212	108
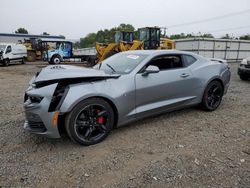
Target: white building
15	38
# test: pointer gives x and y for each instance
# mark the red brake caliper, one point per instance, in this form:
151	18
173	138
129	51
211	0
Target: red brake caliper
99	119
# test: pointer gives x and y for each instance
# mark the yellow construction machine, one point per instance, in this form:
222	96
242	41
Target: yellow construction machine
154	39
123	42
34	49
149	38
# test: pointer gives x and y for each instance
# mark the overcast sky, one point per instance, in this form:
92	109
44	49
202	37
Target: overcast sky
76	18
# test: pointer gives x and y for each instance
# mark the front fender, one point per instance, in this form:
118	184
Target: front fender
80	92
55	52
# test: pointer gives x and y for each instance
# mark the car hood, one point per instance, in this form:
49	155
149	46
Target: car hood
55	73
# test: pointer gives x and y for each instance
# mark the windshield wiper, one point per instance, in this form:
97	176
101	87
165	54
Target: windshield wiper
111	67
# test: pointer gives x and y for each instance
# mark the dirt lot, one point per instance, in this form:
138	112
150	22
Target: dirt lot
187	148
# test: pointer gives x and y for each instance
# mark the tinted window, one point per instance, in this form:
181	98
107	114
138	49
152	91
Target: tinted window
188	60
8	50
122	63
167	62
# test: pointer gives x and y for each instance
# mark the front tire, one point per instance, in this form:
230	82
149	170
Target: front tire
212	96
6	62
90	121
55	60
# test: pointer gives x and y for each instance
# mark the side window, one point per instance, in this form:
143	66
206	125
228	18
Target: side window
188	60
167	62
8	50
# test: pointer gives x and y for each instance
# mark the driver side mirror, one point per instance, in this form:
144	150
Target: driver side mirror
151	69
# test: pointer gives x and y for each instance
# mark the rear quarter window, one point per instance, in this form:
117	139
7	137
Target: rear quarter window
188	60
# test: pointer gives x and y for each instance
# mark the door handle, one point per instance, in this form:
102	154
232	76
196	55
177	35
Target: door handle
184	75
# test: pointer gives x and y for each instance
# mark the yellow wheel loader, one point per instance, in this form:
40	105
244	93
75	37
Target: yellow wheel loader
34	49
149	38
123	42
152	40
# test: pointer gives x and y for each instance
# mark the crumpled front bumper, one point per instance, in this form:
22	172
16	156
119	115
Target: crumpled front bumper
38	119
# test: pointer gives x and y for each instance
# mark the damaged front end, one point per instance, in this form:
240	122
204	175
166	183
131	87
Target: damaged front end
44	97
1	55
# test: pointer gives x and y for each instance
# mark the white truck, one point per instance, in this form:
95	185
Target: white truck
10	53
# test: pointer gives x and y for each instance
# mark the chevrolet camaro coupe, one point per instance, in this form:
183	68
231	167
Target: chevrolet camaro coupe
87	103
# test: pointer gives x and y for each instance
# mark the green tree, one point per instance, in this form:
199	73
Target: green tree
181	36
207	35
76	44
104	36
88	41
227	36
245	37
62	36
189	35
125	27
21	30
45	33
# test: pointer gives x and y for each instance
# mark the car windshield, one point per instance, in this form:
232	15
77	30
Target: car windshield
2	47
121	63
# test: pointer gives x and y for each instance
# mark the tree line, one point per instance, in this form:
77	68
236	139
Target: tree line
107	35
22	30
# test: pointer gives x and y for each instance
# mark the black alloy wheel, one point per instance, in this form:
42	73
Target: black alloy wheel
90	121
212	96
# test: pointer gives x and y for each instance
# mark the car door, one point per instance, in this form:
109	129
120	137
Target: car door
170	88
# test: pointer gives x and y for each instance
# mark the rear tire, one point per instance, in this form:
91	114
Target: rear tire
212	96
82	123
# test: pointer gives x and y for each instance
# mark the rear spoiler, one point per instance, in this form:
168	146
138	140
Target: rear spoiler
223	61
218	60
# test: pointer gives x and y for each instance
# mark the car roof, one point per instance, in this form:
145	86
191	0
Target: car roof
157	52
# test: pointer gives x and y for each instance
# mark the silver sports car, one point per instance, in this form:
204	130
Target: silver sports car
89	102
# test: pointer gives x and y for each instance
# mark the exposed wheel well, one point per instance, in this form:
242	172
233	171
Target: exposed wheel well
219	80
56	55
113	107
61	119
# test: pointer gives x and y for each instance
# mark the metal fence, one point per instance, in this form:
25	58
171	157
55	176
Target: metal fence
231	50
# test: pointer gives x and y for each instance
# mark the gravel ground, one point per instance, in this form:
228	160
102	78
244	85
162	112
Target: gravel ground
187	148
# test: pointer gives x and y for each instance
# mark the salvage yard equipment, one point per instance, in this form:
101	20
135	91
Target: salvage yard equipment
123	42
63	50
34	49
149	39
